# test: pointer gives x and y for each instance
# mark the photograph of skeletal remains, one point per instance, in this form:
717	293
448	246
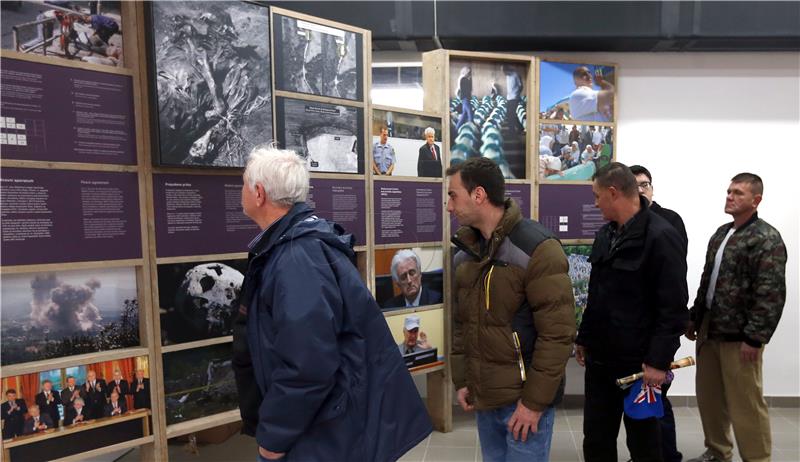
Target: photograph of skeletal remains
199	300
211	67
316	59
328	136
89	32
63	313
199	383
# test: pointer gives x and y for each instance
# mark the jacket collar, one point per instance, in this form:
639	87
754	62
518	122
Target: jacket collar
746	223
470	239
270	236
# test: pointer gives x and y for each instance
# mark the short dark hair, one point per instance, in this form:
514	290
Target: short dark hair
756	185
618	175
11	390
639	170
47	381
483	172
383	127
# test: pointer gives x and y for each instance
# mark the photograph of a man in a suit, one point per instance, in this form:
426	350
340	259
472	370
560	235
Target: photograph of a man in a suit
119	385
13	411
407	274
140	389
429	163
93	393
48	401
76	413
37	422
115	406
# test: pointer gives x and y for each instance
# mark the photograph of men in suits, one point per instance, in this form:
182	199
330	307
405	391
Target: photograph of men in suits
48	401
13	411
76	413
37	422
140	389
93	393
407	274
69	394
429	163
115	405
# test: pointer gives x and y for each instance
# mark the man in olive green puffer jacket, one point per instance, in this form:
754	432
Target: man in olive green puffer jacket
513	316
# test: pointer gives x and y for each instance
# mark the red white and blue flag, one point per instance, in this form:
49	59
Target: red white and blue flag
644	401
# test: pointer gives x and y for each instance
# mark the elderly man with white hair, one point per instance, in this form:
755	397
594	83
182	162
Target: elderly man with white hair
407	274
331	384
429	162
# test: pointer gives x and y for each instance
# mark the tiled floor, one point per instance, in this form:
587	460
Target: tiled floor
462	444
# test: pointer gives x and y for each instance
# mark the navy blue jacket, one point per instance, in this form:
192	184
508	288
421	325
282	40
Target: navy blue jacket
333	382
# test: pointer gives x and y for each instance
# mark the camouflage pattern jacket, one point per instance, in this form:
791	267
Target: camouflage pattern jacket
751	286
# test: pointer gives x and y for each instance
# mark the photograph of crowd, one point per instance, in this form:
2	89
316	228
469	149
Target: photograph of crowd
328	136
90	32
62	313
573	152
581	92
211	69
71	396
199	300
406	278
579	270
199	382
406	144
316	59
488	114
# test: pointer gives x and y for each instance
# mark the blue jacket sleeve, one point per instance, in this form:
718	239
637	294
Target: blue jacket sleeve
306	307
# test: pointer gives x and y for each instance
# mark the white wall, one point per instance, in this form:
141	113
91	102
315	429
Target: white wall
695	120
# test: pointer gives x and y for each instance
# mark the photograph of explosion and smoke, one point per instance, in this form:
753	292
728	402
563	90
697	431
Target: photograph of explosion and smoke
212	72
63	313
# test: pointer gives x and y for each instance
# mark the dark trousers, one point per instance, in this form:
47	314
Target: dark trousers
602	411
669	443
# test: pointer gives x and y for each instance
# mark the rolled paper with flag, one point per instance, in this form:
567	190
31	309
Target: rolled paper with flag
684	362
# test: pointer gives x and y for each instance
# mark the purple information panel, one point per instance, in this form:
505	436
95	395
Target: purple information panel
57	113
521	193
568	210
58	216
407	212
200	215
342	201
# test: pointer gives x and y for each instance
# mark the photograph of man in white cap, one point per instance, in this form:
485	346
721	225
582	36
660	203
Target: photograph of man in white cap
414	340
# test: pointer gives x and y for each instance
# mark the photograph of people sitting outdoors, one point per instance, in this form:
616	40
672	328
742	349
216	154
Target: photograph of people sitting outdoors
573	152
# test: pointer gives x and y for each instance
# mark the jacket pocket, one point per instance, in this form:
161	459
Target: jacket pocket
334	406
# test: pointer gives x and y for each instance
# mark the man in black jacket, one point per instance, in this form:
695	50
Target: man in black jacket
644	180
140	389
48	401
635	314
13	414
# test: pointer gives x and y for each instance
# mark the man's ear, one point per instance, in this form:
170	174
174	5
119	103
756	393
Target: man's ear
480	194
757	200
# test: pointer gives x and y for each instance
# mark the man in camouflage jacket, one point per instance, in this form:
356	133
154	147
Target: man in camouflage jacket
738	306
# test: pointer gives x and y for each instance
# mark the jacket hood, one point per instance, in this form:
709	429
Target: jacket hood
301	222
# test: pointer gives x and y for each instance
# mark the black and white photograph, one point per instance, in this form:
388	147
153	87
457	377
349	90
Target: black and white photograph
406	144
211	74
199	300
488	113
63	313
408	278
316	59
89	32
199	382
328	136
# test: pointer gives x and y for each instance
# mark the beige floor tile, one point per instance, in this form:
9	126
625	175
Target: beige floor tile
459	439
436	454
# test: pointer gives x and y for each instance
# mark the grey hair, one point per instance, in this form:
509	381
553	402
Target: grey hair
282	174
401	256
79	400
430	131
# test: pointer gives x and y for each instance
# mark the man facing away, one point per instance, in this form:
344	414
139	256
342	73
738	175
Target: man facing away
333	383
738	305
513	321
635	314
